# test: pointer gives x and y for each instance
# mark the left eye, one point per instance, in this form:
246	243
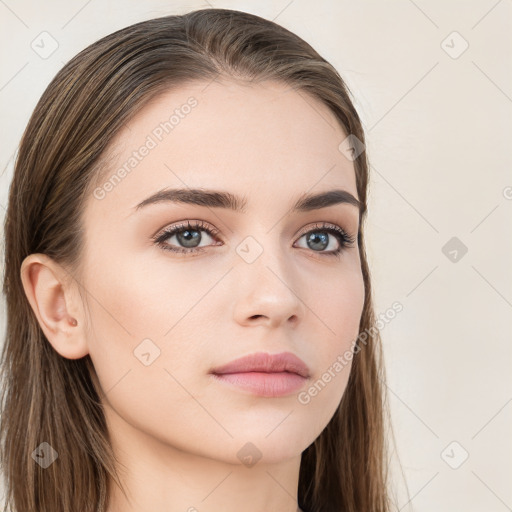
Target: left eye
189	236
322	240
319	236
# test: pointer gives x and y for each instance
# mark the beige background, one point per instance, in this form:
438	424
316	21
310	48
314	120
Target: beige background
437	122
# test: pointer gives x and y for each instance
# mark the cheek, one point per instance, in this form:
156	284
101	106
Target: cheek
338	309
338	305
145	341
132	308
139	299
149	313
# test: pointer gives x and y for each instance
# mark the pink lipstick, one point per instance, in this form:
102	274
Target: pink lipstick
267	375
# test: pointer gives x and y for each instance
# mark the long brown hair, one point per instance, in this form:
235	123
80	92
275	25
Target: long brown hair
48	398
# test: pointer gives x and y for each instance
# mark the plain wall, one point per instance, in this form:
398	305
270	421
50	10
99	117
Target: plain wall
438	120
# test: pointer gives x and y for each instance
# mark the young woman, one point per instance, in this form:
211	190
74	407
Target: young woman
190	319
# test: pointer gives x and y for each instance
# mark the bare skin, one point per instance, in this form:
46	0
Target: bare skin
176	431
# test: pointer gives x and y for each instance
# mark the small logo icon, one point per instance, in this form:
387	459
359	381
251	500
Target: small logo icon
454	455
44	455
351	147
454	250
249	455
454	45
146	352
249	249
44	45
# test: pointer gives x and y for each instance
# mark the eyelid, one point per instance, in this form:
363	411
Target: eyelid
194	224
323	225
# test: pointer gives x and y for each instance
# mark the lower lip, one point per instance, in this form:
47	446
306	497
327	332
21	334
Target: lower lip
264	384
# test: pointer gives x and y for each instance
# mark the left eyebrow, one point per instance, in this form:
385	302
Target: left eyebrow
226	200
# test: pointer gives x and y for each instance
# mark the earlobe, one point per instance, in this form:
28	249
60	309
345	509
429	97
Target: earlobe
55	304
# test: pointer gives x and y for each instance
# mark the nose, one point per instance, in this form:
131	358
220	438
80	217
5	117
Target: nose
267	292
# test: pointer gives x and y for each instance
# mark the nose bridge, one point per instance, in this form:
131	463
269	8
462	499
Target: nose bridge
262	235
266	277
263	252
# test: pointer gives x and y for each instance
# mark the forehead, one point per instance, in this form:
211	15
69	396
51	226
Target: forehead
261	140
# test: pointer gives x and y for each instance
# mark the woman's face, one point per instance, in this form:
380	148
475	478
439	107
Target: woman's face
253	281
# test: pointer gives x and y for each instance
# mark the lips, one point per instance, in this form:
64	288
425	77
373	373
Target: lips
265	363
264	375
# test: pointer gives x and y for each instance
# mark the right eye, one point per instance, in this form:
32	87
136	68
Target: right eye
188	234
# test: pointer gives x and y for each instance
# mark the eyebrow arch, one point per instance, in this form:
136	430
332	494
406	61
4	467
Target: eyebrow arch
226	200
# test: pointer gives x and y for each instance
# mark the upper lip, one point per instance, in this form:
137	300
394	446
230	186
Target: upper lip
268	363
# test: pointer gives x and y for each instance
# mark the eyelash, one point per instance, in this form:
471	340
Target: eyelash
345	240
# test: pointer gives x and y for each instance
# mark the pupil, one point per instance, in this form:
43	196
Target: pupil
316	239
189	237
